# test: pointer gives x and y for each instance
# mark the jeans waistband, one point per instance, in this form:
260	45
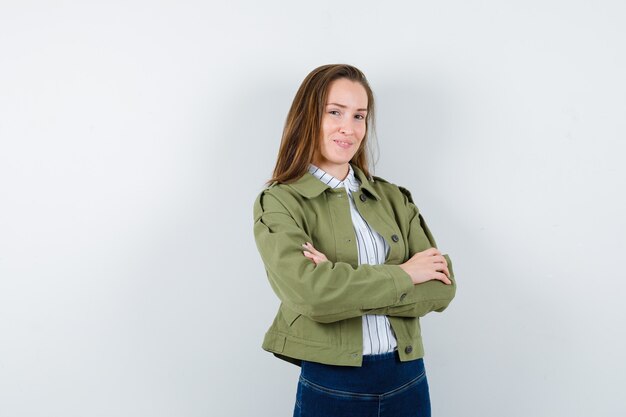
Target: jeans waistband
378	374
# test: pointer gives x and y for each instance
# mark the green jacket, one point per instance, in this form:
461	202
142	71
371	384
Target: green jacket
319	318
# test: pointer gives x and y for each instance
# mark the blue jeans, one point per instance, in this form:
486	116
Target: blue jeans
382	387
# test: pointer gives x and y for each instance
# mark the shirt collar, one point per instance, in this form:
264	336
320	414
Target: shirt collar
309	186
350	182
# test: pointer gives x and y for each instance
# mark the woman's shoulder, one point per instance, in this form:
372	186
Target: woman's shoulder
276	197
390	189
277	190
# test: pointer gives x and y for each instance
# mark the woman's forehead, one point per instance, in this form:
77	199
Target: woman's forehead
347	93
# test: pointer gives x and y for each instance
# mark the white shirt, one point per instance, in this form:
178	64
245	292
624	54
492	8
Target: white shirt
378	336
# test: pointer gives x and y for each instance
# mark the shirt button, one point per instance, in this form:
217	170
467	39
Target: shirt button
408	349
403	296
395	238
372	260
339	195
362	197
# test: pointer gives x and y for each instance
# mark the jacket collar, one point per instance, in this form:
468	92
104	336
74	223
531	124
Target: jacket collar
351	183
309	186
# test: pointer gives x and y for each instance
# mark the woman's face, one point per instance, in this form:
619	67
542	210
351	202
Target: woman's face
343	124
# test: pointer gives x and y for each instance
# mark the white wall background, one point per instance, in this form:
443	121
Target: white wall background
134	136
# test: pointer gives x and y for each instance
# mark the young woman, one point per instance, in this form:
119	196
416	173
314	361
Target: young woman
350	257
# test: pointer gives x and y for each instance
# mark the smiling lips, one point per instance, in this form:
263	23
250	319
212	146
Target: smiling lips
342	144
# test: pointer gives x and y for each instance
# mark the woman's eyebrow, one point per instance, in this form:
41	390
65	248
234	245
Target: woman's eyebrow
343	106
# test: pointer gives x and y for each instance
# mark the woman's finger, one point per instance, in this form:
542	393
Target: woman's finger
309	254
440	259
312	248
441	264
443	278
446	271
314	251
313	257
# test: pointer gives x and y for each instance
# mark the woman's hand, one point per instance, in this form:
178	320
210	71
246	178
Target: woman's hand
313	254
427	265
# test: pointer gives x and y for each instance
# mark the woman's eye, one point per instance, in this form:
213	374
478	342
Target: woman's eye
334	112
360	116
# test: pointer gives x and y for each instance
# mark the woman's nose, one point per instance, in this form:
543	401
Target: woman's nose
346	128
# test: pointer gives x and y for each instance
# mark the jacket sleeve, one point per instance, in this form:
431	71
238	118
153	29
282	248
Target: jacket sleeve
330	291
431	295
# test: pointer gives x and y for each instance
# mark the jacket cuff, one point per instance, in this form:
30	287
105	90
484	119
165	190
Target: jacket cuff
402	281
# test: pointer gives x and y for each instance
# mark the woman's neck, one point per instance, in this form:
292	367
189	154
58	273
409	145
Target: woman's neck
339	171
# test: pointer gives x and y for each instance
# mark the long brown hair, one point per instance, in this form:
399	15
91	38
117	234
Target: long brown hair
303	127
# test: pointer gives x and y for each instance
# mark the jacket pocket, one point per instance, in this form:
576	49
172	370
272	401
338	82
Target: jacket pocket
289	315
302	327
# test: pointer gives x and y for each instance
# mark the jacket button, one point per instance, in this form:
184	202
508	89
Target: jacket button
362	197
403	296
395	238
408	349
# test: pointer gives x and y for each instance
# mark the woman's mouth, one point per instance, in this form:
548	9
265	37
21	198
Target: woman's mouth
343	144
